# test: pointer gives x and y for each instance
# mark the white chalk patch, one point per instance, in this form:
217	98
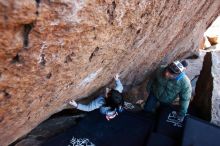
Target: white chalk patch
128	106
172	118
43	46
55	22
80	142
120	13
89	78
41	57
72	17
140	42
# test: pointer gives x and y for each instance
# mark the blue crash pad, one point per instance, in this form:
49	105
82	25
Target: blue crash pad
200	133
167	123
128	129
157	139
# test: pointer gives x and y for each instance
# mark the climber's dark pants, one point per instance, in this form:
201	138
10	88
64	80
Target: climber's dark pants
151	103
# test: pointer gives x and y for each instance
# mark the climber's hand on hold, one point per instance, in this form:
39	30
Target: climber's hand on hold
73	103
107	90
116	76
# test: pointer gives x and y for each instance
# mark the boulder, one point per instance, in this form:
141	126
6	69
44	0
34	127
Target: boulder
203	91
215	108
207	93
207	44
48	129
214	39
194	68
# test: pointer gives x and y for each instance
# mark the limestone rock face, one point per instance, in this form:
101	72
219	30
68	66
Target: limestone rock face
207	93
203	91
194	68
52	51
213	40
215	108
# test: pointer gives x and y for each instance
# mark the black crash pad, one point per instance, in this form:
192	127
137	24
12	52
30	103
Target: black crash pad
200	133
130	129
167	124
157	139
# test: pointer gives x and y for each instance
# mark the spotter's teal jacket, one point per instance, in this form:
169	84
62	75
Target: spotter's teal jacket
167	90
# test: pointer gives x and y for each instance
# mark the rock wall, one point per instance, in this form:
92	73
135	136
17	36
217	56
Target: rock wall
55	50
203	93
215	106
206	101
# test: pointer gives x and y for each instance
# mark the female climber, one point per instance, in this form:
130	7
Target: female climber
109	105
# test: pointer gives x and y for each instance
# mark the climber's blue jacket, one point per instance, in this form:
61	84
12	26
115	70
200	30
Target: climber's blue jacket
99	103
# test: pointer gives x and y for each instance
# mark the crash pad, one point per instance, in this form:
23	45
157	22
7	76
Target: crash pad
200	133
157	139
167	124
130	129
